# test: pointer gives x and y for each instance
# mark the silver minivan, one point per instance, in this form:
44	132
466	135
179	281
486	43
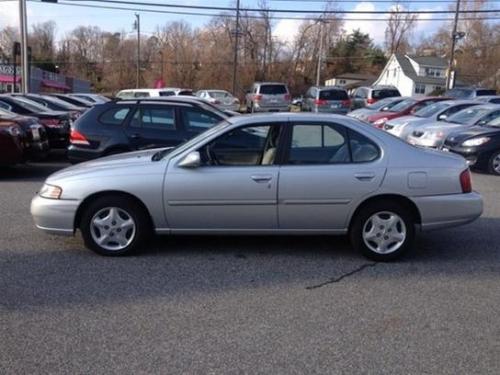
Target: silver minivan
268	97
327	99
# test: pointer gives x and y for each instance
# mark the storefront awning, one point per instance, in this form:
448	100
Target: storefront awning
8	79
55	85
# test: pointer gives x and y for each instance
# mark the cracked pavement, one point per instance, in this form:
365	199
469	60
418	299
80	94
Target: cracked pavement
278	305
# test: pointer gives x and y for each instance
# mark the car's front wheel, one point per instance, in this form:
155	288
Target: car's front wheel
114	225
495	163
383	231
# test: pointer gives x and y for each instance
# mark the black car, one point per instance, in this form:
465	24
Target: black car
79	102
55	104
479	145
127	125
56	123
33	135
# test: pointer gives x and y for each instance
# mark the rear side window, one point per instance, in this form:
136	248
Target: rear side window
114	116
154	118
362	149
141	94
186	92
273	90
167	93
333	95
485	92
385	93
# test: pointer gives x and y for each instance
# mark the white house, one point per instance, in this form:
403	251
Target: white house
345	79
414	75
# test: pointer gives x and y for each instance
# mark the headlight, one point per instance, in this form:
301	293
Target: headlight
434	135
380	121
50	191
475	142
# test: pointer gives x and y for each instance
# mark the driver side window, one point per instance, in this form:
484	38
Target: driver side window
247	146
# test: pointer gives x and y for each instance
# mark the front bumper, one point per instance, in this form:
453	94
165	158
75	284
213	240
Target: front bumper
56	216
443	211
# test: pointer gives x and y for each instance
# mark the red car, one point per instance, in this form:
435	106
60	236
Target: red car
11	143
404	108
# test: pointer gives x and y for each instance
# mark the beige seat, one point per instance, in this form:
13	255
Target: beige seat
269	156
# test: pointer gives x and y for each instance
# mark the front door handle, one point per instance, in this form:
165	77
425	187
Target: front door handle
365	176
135	136
261	178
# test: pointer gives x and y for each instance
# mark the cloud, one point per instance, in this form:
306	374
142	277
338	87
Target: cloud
376	29
286	30
9	16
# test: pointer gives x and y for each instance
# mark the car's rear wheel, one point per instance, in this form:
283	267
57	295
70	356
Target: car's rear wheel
114	225
494	165
383	231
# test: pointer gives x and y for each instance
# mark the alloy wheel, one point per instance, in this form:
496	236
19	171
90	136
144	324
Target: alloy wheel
384	232
113	228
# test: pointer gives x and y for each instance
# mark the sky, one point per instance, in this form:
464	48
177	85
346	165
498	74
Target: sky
68	17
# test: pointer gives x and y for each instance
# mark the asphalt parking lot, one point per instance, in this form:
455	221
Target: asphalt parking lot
278	305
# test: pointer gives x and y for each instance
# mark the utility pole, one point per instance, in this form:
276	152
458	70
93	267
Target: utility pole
137	26
235	57
320	52
450	78
24	47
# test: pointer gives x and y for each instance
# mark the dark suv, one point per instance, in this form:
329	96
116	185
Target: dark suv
127	125
364	96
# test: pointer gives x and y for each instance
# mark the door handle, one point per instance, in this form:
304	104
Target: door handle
261	178
135	136
365	176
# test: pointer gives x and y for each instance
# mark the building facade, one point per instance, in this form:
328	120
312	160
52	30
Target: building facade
414	75
40	81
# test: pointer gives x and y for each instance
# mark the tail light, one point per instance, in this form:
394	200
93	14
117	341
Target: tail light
77	138
257	97
465	181
320	102
288	97
370	100
51	122
346	103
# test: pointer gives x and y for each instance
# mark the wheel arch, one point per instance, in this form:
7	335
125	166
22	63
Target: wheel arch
400	199
89	199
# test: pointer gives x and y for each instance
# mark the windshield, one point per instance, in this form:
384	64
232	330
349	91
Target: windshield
273	89
60	103
494	123
466	115
30	105
404	105
431	109
219	94
189	143
333	95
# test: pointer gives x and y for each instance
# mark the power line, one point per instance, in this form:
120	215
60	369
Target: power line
203	7
250	16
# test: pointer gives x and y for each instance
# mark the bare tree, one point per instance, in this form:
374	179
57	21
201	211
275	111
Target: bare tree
399	27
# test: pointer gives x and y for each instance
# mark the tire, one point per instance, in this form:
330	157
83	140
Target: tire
124	222
494	163
383	231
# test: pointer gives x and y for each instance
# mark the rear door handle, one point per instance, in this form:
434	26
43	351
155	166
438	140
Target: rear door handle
365	176
261	178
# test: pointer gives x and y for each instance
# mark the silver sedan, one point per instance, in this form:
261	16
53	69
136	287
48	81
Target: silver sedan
264	174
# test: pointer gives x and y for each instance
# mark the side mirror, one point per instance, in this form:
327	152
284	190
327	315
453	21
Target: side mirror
191	160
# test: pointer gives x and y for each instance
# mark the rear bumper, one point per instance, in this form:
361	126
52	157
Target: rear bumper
78	155
443	211
280	108
58	137
56	216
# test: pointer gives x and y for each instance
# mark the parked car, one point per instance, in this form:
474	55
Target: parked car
93	98
298	101
381	105
493	99
326	99
54	104
468	92
152	93
319	174
32	134
403	126
221	99
11	145
479	145
79	102
364	96
56	123
406	107
434	134
268	97
121	126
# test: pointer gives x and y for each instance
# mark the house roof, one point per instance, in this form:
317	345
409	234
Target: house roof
434	61
358	76
355	85
408	71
